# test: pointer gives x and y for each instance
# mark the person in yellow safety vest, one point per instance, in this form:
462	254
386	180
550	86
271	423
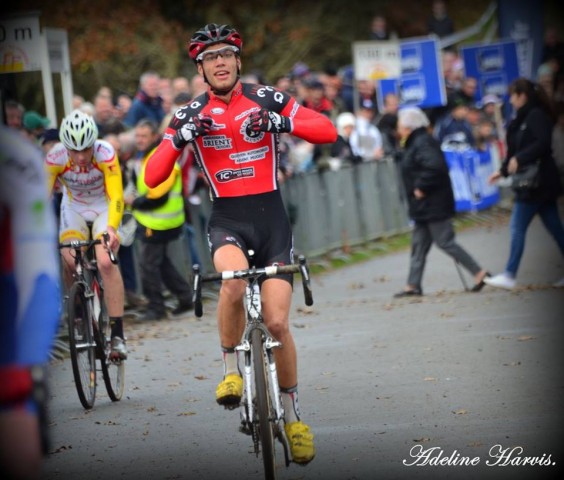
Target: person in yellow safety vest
160	216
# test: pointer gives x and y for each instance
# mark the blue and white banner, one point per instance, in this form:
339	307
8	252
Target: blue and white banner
523	22
421	82
469	172
493	65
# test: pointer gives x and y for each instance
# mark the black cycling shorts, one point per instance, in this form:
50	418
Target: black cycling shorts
255	222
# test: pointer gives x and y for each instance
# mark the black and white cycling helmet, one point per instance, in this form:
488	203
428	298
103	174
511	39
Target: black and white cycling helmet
212	34
78	131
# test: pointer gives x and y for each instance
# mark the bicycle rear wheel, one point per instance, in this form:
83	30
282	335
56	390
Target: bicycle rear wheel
113	371
81	345
264	405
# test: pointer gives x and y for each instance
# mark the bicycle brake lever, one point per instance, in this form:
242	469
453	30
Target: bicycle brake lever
197	288
106	238
304	270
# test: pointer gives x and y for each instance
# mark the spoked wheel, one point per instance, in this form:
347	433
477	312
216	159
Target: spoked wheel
81	345
263	403
113	371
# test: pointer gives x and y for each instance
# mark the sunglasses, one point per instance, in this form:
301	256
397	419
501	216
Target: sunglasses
212	55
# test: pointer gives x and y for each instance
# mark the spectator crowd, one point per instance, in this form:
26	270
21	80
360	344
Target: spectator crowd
367	130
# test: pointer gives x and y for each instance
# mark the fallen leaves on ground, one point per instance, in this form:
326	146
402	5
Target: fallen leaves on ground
460	411
524	338
62	448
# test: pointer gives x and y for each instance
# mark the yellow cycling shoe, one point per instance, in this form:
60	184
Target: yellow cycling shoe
230	390
301	442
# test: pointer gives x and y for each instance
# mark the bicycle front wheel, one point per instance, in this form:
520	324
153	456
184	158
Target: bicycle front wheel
81	345
113	371
264	405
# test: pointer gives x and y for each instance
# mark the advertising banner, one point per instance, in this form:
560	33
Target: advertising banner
376	60
20	44
421	82
523	22
493	65
469	172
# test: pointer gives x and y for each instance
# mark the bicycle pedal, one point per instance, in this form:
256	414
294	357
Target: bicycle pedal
244	428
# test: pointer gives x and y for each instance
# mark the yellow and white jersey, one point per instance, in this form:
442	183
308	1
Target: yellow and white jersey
89	189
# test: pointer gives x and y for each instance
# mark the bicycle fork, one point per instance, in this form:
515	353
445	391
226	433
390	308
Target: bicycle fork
254	320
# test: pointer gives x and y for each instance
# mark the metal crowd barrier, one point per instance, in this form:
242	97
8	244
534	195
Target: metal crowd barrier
329	209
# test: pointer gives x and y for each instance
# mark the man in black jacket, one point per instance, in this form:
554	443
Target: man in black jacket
431	200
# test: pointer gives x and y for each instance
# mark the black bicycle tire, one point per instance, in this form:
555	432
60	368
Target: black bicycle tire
85	386
112	372
263	404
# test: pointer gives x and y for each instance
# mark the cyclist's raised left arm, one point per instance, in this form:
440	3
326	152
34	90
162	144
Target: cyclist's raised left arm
309	125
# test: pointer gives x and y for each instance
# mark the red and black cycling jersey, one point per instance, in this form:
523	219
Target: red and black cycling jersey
235	162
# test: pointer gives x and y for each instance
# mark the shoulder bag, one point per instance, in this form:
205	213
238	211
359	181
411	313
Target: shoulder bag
526	178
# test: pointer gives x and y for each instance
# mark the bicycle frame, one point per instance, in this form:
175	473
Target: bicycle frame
86	272
251	420
253	309
86	297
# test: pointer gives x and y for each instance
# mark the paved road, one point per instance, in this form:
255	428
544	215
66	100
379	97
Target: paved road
453	374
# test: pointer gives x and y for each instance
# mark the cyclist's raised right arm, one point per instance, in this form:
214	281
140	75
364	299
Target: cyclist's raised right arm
161	162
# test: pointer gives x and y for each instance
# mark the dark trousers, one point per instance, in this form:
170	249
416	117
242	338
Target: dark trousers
127	265
442	234
157	269
521	217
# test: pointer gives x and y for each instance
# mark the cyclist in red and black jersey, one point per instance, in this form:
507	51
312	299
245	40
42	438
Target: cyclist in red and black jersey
234	128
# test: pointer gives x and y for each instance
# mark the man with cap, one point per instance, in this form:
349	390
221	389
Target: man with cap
34	125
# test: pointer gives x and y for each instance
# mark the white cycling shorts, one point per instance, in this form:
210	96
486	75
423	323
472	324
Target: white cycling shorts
75	219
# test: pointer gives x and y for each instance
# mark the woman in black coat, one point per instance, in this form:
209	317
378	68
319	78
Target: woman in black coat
430	197
529	140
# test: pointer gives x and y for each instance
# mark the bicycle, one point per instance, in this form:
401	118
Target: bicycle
261	408
89	326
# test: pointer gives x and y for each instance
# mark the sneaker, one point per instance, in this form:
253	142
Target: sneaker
133	300
119	350
414	292
301	442
182	308
230	390
152	316
501	281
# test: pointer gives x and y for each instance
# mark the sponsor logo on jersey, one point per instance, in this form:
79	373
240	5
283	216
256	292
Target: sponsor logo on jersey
232	239
104	152
295	109
218	126
217	111
249	136
218	142
246	113
58	156
229	175
250	155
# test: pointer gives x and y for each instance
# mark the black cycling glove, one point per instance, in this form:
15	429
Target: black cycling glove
267	121
194	127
